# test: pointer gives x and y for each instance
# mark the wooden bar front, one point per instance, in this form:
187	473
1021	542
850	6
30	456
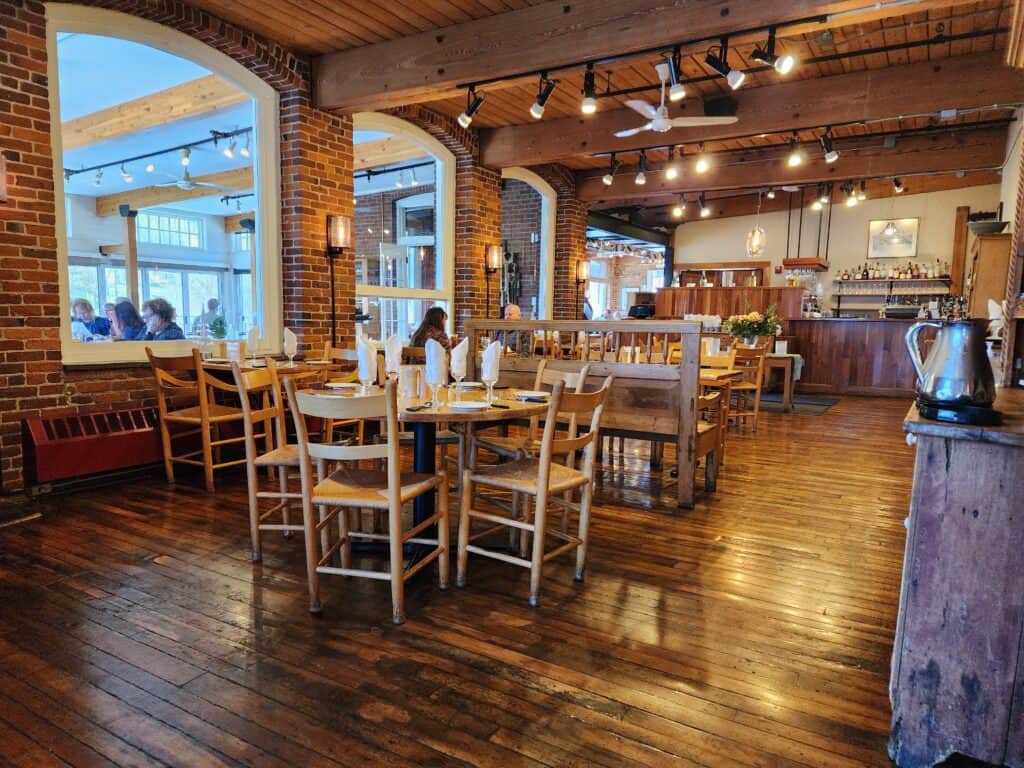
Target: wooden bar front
676	302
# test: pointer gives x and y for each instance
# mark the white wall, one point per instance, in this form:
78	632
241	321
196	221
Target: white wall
725	239
1011	171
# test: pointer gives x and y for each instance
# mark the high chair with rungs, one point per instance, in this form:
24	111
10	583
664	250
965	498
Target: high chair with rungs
544	480
350	489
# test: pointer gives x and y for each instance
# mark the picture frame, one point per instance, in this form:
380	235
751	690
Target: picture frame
893	238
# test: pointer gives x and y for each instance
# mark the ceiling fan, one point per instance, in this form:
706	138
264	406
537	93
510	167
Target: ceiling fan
658	119
187	184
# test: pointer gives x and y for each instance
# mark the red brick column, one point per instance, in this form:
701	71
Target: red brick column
316	179
570	238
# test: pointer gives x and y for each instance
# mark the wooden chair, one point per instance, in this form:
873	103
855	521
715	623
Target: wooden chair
710	439
547	482
515	447
350	489
748	388
263	408
181	380
726	359
339	354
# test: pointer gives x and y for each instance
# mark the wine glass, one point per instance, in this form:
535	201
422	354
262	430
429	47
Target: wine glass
367	383
291	347
490	382
435	394
458	388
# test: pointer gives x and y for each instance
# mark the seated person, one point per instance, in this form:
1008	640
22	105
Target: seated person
510	338
111	315
132	326
81	310
432	327
158	314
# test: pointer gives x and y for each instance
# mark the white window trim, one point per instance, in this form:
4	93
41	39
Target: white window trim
548	203
66	17
444	191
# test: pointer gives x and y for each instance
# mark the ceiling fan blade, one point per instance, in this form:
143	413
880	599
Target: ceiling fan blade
645	109
692	122
632	131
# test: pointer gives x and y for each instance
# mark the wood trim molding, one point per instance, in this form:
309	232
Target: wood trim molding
1015	44
956	268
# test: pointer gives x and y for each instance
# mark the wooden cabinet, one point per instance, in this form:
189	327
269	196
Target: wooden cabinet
676	302
957	683
990	260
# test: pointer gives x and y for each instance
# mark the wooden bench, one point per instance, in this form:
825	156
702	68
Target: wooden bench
649	400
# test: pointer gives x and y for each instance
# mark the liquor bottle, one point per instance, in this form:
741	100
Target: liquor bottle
856	273
846	274
930	274
864	273
873	273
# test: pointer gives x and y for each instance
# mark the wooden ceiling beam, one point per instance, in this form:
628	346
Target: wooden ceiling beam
978	149
431	65
195	97
964	82
389	151
1015	45
725	205
233	223
237	180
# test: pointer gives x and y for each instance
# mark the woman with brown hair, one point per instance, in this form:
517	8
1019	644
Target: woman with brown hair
432	327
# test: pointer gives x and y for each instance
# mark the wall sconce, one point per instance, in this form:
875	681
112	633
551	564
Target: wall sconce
494	255
582	275
339	237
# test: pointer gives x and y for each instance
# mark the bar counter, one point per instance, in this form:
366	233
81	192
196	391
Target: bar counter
856	356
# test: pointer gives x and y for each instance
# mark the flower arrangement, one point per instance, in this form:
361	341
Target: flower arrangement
218	328
753	324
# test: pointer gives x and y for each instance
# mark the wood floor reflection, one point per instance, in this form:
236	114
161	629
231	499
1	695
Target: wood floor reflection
754	630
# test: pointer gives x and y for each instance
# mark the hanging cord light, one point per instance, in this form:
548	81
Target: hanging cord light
756	238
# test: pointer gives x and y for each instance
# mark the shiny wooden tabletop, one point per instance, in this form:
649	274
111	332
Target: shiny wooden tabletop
720	374
283	366
505	407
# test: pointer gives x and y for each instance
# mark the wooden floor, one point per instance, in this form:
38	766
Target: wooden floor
755	630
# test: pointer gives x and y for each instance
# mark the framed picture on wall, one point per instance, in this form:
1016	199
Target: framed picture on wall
892	238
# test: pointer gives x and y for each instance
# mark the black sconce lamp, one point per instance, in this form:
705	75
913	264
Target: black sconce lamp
339	237
582	275
493	256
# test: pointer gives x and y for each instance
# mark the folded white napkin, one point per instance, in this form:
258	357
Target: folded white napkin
437	364
291	343
367	356
489	363
392	354
459	354
254	339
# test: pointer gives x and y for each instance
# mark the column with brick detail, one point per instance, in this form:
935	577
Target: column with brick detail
570	238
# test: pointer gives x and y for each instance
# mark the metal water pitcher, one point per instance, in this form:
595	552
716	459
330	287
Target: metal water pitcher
956	371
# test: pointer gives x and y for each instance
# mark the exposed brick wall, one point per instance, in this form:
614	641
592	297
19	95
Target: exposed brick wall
316	163
521	229
570	237
626	272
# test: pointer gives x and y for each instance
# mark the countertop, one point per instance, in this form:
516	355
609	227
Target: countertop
1009	401
854	320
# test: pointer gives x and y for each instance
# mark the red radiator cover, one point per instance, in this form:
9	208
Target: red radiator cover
86	444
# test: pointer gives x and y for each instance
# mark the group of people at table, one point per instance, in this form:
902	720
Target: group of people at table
121	321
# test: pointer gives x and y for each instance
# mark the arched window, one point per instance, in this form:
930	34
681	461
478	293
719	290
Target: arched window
404	224
528	231
166	185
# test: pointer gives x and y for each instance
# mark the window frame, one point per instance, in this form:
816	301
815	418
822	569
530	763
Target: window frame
66	17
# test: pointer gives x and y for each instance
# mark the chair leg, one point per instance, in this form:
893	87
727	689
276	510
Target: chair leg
515	535
344	528
165	438
309	534
397	564
537	560
443	537
586	497
252	476
207	458
282	484
464	506
710	472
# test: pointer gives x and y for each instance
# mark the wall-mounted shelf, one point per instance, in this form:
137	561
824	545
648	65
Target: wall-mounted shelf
886	289
808	263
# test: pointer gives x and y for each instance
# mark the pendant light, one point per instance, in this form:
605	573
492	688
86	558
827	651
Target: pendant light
589	104
755	238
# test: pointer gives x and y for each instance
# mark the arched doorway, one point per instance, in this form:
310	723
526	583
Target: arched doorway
528	226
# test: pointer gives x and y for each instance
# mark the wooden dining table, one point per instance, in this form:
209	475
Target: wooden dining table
284	367
424	423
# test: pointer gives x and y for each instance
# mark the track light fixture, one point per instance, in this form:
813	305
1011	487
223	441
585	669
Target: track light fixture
641	173
720	63
126	176
679	208
186	156
613	166
862	192
150	167
782	64
897	186
99	178
672	167
770	194
827	149
851	196
704	210
825	193
816	205
703	162
796	153
473	103
676	91
589	104
544	90
229	150
246	151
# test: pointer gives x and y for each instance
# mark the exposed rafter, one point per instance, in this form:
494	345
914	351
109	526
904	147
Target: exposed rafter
147	197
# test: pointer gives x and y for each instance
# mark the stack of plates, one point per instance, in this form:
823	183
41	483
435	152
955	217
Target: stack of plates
469	405
349	385
532	395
